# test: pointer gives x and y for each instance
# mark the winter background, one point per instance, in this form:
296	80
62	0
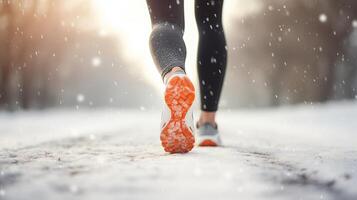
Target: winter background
80	103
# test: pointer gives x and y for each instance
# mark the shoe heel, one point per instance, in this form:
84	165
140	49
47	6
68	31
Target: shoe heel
176	136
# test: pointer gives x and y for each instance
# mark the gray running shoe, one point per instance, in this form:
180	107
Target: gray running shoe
207	136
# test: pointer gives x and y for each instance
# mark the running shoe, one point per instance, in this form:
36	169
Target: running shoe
177	116
208	136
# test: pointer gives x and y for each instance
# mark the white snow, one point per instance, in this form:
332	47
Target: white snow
301	152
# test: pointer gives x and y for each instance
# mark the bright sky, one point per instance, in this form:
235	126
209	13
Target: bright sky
131	21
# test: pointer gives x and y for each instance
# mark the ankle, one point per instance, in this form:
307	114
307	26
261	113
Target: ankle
207	117
176	69
173	71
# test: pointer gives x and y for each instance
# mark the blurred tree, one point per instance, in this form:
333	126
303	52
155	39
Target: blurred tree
54	54
34	39
6	63
293	49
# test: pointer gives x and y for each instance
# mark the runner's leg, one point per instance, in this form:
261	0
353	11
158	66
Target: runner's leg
212	52
211	57
166	40
169	53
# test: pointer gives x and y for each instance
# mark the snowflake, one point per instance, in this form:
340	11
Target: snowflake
80	97
323	18
354	23
96	62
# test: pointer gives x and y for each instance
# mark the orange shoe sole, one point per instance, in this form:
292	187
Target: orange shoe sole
207	143
176	136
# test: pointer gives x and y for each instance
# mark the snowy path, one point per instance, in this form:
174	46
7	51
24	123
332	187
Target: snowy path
288	153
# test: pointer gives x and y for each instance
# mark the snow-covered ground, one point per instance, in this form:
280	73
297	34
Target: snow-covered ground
302	152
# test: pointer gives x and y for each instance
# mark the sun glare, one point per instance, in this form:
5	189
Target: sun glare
131	21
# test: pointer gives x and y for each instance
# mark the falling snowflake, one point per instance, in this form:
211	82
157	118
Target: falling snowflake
80	97
323	18
96	62
213	60
354	23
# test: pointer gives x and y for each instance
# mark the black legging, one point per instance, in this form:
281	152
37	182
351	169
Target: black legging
168	48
